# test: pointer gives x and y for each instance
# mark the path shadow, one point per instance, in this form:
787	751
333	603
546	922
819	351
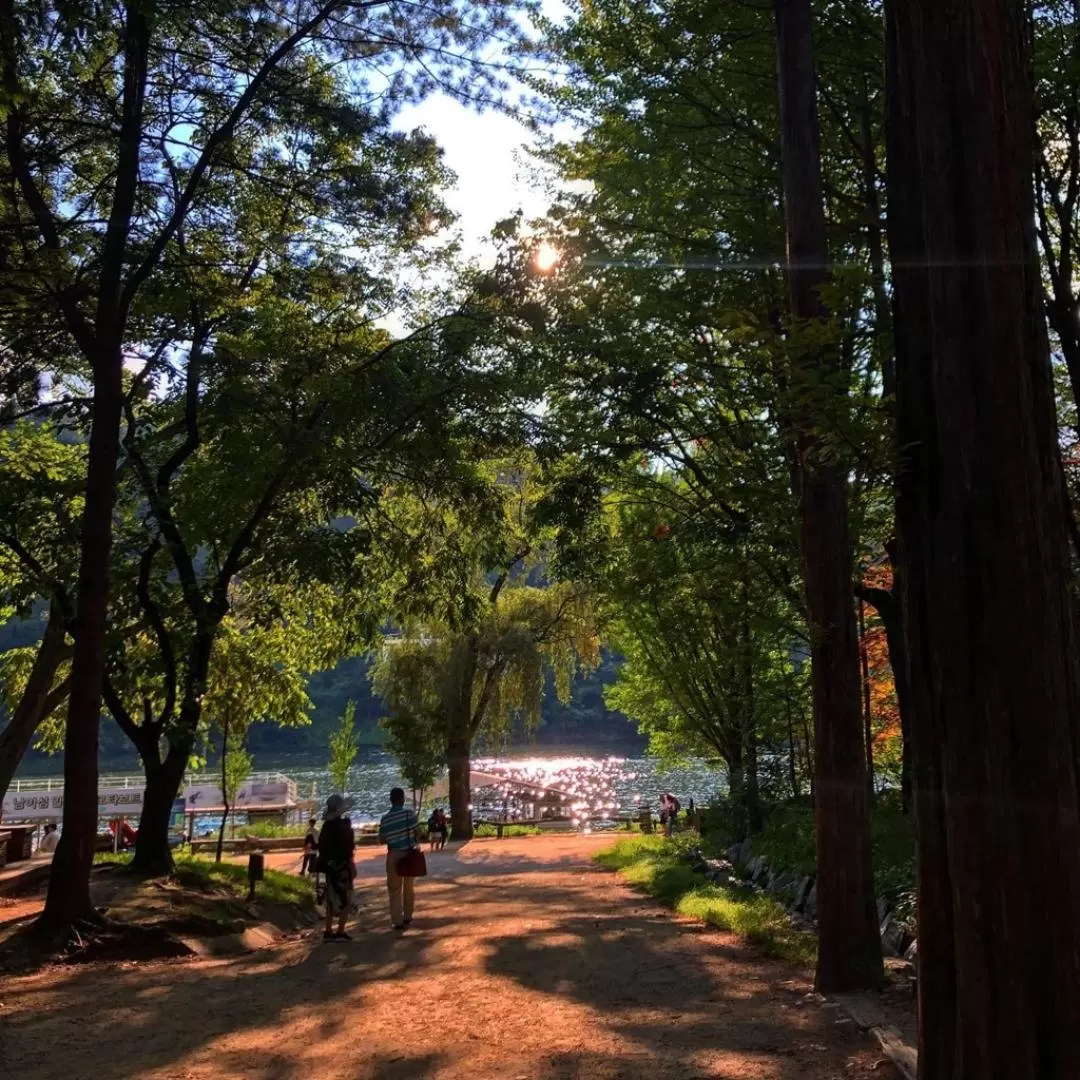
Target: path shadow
665	999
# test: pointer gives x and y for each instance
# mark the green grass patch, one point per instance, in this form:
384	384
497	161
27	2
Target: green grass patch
653	864
267	831
508	830
205	875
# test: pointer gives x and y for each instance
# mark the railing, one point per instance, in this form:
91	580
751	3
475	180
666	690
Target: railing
56	783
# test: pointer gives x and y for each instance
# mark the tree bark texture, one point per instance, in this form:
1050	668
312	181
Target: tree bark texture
459	769
868	714
68	898
849	946
987	599
887	604
38	700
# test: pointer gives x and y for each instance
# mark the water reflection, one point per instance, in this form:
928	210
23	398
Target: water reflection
590	785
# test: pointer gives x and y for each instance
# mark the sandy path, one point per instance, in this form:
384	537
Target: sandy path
524	962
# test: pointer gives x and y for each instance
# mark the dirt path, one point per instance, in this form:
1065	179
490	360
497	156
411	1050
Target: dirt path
524	962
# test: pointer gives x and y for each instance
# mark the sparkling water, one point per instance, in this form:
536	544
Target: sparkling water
593	785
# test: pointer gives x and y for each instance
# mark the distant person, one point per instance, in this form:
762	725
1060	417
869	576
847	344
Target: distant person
690	811
669	812
49	840
336	845
311	848
438	829
398	831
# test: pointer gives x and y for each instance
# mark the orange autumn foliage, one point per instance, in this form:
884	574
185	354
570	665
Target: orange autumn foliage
884	709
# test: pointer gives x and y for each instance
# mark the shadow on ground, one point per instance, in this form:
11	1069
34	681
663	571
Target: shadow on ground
545	970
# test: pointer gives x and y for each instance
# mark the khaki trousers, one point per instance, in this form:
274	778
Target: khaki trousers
401	889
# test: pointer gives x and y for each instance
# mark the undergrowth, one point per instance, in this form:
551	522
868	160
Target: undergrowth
654	864
508	830
194	872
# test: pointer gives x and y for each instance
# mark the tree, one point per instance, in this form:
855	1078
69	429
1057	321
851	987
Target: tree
236	765
849	944
478	636
690	602
41	472
343	749
484	677
416	741
983	545
117	133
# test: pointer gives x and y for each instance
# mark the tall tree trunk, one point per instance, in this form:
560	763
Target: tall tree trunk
224	789
793	764
68	898
153	856
458	769
737	791
987	598
38	698
868	717
849	946
887	604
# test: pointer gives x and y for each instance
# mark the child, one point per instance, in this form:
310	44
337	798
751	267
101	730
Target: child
311	849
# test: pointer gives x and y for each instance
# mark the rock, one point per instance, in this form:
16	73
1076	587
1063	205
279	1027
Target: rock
802	893
893	938
718	871
882	910
911	953
810	907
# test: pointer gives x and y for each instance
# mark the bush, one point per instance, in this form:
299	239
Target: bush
508	830
267	831
656	866
788	844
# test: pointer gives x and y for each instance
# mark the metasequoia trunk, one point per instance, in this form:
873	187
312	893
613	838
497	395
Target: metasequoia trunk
849	947
38	699
887	603
987	598
68	898
868	713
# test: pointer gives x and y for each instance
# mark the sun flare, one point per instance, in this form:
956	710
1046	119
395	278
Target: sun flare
546	257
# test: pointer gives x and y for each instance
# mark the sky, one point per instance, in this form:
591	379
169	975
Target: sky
483	149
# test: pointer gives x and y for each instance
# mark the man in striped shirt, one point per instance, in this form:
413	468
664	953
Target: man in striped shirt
398	831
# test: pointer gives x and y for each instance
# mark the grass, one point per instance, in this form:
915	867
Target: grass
653	864
508	830
205	875
267	831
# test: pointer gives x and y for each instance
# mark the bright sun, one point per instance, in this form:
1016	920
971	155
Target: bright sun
546	257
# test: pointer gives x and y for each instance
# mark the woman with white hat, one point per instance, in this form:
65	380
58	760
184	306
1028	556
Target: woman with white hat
336	848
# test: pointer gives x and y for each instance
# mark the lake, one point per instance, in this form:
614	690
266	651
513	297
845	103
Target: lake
604	784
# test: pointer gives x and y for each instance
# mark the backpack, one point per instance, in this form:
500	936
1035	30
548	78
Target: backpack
676	806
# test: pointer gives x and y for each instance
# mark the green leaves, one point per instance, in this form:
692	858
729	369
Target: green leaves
343	749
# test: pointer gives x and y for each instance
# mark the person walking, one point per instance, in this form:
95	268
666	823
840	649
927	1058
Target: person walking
336	846
311	849
398	831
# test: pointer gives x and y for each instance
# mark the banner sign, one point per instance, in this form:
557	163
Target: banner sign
47	804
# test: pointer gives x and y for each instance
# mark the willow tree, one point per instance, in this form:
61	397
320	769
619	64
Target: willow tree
477	682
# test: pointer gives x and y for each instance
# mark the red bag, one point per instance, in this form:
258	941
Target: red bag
412	864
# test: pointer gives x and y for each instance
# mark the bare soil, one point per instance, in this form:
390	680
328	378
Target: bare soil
525	961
